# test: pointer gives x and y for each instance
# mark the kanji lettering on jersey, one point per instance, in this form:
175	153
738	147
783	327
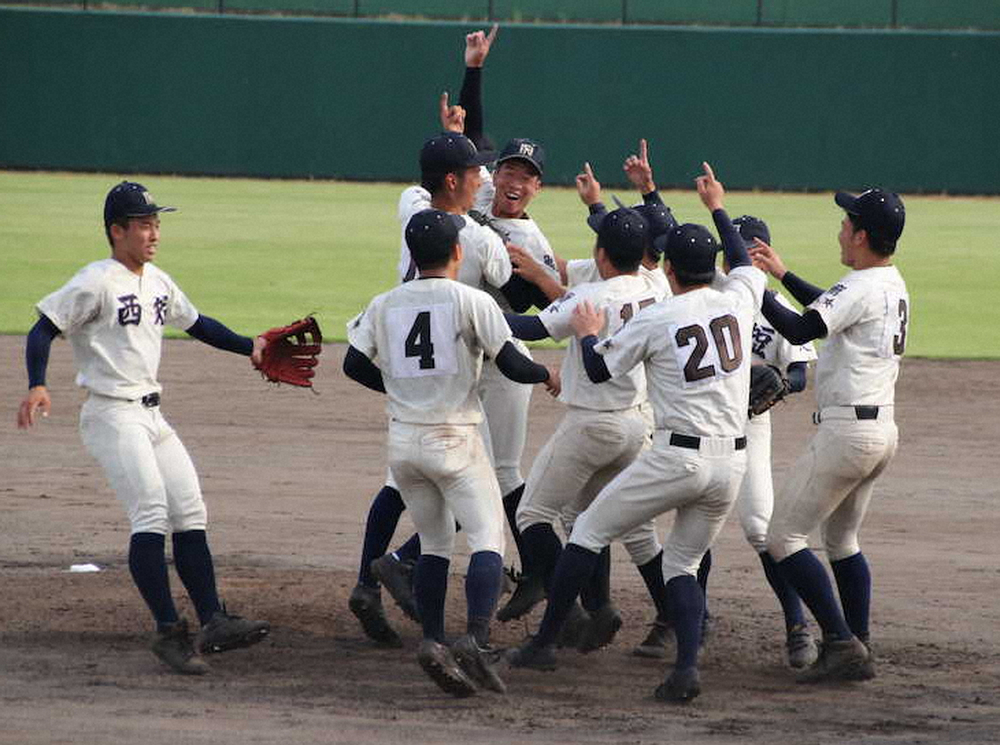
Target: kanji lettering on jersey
130	312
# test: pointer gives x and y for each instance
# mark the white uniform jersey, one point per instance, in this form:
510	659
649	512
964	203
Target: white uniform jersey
114	319
771	347
698	342
485	262
579	271
866	315
622	297
428	336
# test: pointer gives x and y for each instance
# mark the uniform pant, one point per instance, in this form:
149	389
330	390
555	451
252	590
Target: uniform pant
505	406
444	475
701	485
145	463
755	502
587	450
830	485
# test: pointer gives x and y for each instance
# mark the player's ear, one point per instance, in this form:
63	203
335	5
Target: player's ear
456	253
451	181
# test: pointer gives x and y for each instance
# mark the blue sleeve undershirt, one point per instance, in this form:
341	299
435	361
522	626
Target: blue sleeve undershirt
798	329
37	346
216	334
518	367
526	328
593	363
362	370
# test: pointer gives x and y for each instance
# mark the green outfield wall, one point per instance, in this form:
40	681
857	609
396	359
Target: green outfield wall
346	98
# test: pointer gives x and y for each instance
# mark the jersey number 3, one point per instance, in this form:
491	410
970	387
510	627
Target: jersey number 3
728	350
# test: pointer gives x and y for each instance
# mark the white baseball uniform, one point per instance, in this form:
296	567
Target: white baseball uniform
429	336
579	271
866	315
756	497
114	320
603	429
696	351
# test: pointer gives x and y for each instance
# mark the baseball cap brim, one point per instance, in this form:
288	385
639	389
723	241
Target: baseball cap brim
150	209
847	202
530	161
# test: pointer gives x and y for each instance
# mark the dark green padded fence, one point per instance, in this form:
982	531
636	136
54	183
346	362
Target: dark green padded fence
934	14
335	98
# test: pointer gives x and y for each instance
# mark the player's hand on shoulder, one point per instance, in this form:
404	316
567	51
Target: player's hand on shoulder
710	189
524	264
477	46
767	259
452	117
36	402
638	170
587	186
586	319
554	384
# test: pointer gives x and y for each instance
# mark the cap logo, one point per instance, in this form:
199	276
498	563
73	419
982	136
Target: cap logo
147	197
527	149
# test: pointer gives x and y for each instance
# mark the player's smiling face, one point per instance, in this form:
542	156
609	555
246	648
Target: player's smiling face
516	183
136	243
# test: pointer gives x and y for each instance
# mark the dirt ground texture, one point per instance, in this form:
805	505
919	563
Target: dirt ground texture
288	477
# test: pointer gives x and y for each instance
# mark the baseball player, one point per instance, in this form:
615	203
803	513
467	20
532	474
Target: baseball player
486	266
113	311
864	319
695	347
429	337
603	430
756	496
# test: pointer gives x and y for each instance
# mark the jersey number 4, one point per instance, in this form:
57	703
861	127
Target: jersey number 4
418	342
729	351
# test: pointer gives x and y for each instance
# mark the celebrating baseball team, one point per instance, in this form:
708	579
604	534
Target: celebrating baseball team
673	360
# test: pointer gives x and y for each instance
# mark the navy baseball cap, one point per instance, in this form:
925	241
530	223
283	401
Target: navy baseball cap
449	152
881	213
129	199
751	227
521	148
432	231
659	219
623	232
691	249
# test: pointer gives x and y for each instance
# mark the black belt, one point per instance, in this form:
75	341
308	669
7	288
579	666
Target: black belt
694	443
150	400
861	413
866	412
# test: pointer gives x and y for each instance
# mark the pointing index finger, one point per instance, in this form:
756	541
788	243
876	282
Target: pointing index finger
643	150
493	33
708	171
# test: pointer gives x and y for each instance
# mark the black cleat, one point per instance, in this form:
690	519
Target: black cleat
397	578
530	591
478	663
174	646
531	655
226	631
600	632
655	643
366	605
441	667
681	686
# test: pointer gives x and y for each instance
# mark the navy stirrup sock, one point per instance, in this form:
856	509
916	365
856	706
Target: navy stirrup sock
686	601
704	569
430	587
510	503
543	546
597	592
807	576
383	516
791	606
193	562
409	551
574	568
482	591
854	583
652	575
148	564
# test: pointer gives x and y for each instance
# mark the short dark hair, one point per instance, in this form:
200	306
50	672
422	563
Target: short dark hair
432	257
432	182
121	222
878	244
624	258
687	279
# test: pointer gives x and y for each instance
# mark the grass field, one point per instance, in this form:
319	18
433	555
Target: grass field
259	253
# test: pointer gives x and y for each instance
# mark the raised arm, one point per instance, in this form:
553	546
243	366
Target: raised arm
711	192
477	48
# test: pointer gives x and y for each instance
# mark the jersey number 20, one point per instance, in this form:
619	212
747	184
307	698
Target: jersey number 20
729	359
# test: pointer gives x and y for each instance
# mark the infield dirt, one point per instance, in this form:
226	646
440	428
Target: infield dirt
288	477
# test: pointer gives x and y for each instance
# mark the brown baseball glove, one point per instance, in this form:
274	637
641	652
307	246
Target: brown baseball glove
289	354
767	387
